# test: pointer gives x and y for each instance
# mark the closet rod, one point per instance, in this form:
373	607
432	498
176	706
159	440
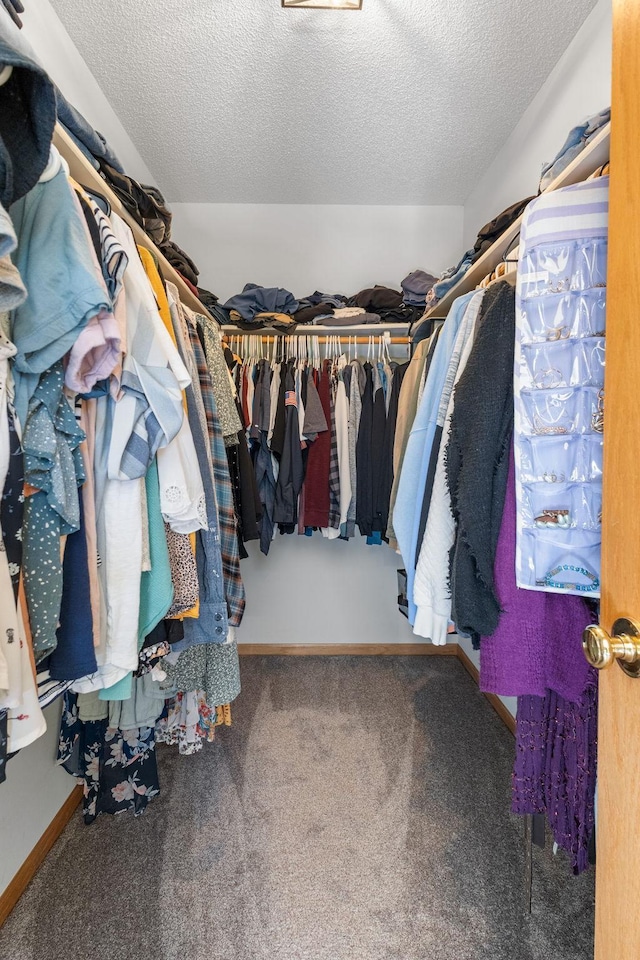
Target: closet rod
87	176
270	338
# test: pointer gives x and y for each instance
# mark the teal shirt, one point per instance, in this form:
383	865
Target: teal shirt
64	290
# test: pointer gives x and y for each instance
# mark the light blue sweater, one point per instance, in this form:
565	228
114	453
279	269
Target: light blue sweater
406	515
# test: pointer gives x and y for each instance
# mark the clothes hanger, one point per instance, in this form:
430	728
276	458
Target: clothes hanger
386	351
13	8
101	201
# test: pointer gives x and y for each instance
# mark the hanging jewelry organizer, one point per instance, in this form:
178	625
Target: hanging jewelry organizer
559	390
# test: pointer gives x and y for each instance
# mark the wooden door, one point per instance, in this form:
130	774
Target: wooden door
618	825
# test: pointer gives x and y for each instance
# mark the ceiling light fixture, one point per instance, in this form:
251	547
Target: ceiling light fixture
322	4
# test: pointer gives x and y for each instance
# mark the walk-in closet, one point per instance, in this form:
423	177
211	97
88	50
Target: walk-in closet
320	541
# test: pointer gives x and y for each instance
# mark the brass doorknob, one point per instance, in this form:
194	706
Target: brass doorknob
623	645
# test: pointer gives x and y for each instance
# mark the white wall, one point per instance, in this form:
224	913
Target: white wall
335	249
62	60
34	791
312	590
579	86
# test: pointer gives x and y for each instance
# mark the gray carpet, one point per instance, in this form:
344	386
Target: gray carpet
357	810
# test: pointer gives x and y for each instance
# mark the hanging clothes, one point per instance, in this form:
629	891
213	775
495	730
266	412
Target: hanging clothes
408	506
477	461
432	594
316	485
291	473
407	407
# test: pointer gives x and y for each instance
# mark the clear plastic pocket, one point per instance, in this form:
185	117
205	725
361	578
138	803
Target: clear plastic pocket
592	417
591	361
548	506
591	458
561	561
590	314
589	516
552	412
551	460
548	319
590	265
547	269
569	506
552	364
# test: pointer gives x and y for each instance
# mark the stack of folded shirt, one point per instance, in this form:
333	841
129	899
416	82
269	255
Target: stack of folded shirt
144	202
92	144
387	303
488	234
181	262
332	299
575	143
310	313
449	279
415	288
318	306
348	316
258	307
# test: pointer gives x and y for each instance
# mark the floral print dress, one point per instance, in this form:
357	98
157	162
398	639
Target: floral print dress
118	767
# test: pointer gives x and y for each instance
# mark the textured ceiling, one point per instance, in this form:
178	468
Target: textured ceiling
240	101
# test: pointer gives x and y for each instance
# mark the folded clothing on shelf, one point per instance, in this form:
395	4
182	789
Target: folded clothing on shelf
255	299
488	234
90	141
575	143
416	286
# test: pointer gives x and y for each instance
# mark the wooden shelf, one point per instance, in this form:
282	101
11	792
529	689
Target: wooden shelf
86	175
594	155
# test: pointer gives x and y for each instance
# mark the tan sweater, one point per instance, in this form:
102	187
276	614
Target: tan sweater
407	407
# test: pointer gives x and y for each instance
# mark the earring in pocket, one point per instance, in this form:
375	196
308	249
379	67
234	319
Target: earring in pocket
545	379
558	333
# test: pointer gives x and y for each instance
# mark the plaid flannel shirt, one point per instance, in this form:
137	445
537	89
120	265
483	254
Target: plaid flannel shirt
234	587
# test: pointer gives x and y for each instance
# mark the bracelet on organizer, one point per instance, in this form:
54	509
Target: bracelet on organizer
548	580
553	518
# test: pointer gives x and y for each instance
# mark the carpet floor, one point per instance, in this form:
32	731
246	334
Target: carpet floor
358	809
